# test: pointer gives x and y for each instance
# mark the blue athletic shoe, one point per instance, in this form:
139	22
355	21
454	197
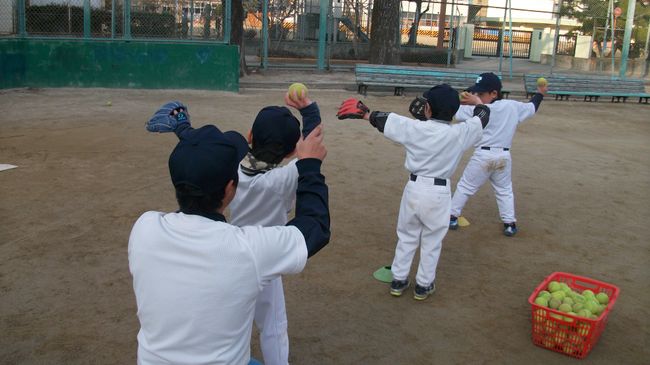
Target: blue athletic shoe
397	287
509	229
453	223
423	292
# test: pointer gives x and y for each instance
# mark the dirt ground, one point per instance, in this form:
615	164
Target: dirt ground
87	170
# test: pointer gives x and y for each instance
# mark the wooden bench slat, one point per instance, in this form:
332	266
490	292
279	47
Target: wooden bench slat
400	77
590	87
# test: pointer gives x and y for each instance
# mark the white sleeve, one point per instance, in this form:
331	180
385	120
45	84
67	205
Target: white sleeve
525	110
277	250
471	132
398	128
464	112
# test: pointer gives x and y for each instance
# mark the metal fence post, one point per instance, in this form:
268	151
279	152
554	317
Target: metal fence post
127	19
322	34
556	38
265	34
21	18
112	19
228	17
86	19
629	22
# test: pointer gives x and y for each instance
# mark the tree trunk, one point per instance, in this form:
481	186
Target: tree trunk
237	33
413	33
441	24
385	33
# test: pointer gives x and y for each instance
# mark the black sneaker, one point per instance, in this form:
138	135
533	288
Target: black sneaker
423	292
453	223
397	287
509	229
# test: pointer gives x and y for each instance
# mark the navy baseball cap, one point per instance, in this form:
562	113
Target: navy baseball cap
443	100
486	82
206	159
276	126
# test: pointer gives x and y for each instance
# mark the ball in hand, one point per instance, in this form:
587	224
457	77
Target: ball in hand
541	82
297	91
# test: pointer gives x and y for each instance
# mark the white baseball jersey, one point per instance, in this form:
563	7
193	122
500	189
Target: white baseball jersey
266	200
196	281
433	150
505	116
495	163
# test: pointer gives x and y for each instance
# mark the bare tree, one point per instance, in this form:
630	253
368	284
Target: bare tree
413	32
441	24
237	33
385	33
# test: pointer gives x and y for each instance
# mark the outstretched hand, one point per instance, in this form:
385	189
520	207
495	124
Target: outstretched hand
294	100
542	89
312	146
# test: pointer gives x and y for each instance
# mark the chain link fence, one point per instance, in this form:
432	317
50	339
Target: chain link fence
293	26
103	19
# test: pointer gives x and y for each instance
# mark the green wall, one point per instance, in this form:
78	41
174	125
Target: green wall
118	64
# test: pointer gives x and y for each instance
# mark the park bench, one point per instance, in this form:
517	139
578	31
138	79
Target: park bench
401	77
589	87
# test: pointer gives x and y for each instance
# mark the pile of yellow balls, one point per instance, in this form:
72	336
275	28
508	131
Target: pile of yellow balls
566	332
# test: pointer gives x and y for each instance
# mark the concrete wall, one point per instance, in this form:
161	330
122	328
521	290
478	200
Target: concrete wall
118	64
583	46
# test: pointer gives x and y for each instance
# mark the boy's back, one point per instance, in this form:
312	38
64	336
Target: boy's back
265	199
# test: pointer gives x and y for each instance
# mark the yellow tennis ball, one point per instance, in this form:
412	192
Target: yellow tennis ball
542	82
299	90
109	103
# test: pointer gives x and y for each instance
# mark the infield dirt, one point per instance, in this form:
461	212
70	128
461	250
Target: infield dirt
87	170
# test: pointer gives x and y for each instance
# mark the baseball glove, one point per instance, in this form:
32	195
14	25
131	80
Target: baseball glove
417	108
352	109
168	117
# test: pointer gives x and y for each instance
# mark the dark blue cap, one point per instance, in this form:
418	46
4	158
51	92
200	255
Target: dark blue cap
206	159
276	126
486	82
443	100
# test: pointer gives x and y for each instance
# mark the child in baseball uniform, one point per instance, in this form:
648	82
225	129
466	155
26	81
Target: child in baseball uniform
265	196
491	159
266	192
434	148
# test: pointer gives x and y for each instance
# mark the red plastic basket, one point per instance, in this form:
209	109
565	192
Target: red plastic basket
565	333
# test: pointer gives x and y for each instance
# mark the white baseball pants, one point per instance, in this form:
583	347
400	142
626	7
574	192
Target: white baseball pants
423	221
495	165
271	320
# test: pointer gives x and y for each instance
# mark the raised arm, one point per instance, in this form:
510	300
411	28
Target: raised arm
312	208
308	110
352	108
539	95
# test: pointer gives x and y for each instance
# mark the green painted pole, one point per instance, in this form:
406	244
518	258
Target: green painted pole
112	19
322	34
86	19
265	34
226	28
629	23
21	18
510	37
127	19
